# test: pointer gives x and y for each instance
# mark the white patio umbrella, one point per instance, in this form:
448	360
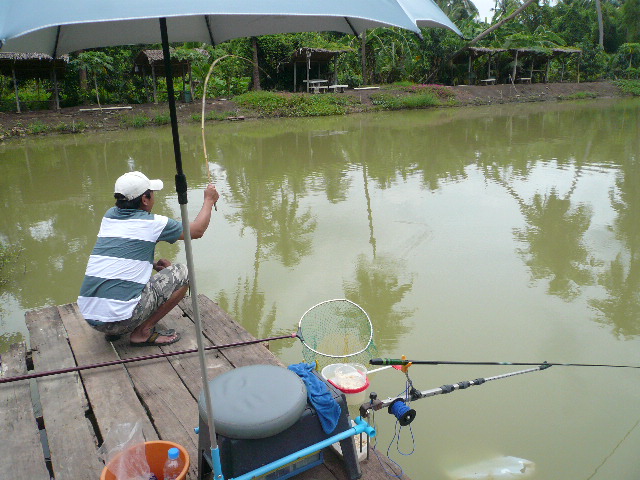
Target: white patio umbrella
56	27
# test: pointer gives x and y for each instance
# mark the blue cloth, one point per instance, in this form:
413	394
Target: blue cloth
319	396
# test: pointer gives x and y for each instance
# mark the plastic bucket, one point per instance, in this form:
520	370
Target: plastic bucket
156	452
350	378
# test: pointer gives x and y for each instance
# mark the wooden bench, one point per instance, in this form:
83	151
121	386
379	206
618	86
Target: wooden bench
524	79
338	88
488	81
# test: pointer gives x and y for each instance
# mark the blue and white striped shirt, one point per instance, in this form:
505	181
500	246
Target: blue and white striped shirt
122	262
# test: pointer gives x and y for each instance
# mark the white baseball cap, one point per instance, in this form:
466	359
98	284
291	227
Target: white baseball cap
134	184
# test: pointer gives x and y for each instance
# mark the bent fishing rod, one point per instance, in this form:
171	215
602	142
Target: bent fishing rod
397	406
398	361
139	359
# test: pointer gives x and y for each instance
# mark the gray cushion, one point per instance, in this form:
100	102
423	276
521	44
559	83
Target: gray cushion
256	401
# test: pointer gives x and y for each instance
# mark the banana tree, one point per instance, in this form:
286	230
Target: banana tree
94	63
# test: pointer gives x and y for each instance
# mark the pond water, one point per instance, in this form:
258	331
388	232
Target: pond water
505	233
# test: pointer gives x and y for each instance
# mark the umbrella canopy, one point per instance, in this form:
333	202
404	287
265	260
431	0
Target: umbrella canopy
56	27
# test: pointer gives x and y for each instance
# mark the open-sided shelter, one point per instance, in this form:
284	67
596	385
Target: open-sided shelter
532	61
39	66
315	59
151	62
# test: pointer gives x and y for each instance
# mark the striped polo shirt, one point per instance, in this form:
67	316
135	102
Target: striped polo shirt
122	262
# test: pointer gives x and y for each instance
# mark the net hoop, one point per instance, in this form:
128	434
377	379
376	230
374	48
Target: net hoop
300	333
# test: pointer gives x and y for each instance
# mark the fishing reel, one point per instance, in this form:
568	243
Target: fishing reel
396	407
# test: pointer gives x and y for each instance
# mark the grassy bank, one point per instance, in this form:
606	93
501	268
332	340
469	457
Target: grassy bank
267	104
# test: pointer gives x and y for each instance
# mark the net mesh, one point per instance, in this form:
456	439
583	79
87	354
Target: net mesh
336	331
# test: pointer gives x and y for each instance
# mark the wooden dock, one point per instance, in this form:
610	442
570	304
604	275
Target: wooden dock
78	408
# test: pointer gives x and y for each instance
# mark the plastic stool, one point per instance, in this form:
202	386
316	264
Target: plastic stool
252	427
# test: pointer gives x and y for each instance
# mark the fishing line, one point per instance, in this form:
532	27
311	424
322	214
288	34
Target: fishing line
397	361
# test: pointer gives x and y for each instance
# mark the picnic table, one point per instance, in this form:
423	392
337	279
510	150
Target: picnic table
316	85
488	81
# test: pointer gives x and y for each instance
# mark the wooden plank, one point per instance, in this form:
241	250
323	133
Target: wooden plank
22	456
188	366
72	442
109	389
103	109
171	406
221	329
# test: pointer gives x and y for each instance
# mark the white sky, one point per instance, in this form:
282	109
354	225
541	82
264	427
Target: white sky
484	7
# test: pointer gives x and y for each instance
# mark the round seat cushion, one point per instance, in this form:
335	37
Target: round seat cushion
256	401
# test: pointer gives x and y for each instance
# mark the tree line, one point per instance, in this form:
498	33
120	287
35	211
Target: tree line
607	32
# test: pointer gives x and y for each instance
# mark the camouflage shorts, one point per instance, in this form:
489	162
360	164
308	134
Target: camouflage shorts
156	292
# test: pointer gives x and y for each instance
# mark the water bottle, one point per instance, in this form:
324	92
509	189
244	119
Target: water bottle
173	465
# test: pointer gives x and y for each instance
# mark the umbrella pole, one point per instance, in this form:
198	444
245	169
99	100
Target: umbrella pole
181	189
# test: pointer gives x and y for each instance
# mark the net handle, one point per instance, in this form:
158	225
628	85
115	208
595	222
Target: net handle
300	333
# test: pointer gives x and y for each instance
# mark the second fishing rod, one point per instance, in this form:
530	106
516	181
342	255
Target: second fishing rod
403	361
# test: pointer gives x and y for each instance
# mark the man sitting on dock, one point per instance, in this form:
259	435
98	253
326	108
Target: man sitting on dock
119	295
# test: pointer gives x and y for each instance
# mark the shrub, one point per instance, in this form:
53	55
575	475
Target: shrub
629	86
295	104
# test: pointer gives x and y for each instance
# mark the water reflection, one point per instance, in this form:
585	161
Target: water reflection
54	192
621	277
487	233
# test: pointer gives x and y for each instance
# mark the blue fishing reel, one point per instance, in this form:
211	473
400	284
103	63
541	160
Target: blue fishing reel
398	408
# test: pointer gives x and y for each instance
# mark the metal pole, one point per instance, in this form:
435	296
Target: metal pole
181	188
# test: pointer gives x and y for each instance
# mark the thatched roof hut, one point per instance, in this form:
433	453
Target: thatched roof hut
39	66
151	63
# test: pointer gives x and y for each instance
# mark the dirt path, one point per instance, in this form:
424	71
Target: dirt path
73	119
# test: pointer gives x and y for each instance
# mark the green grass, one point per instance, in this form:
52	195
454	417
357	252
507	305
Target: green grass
420	96
219	115
75	127
578	96
213	116
137	121
629	86
162	119
38	127
388	101
295	104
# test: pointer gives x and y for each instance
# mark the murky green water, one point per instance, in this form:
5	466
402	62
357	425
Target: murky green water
489	234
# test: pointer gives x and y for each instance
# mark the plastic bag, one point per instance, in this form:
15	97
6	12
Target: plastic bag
124	452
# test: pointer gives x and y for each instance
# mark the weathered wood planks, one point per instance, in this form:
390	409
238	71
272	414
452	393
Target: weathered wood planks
161	393
110	392
72	442
20	447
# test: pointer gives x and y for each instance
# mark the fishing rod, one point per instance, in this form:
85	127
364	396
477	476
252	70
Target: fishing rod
313	327
397	406
398	361
139	359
